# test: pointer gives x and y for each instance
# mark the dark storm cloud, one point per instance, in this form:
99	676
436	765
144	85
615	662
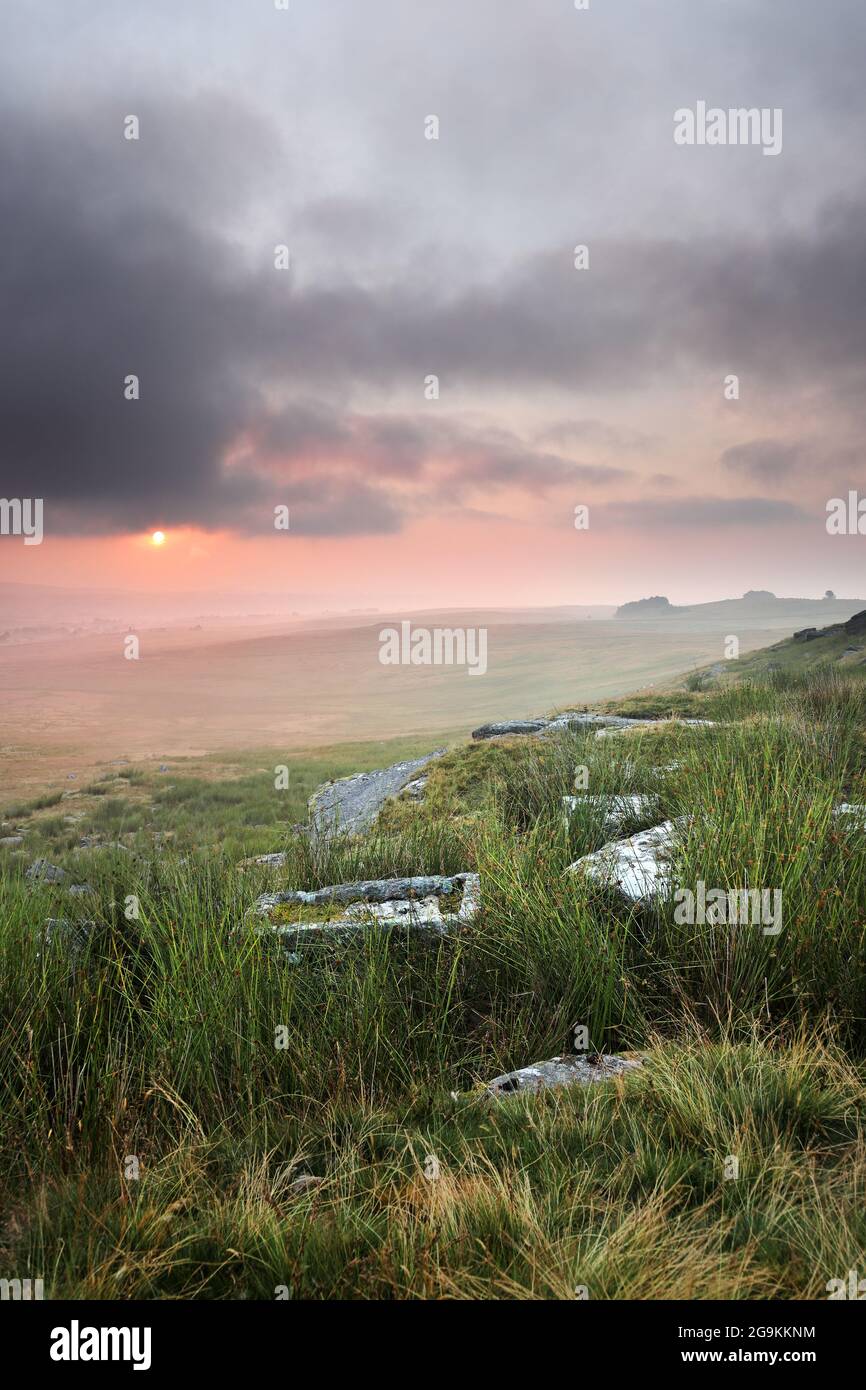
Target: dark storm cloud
123	257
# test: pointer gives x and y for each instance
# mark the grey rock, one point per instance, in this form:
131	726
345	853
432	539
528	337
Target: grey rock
9	841
304	1182
351	805
265	861
41	871
383	903
851	812
372	890
572	719
415	789
510	726
639	866
70	937
574	1069
81	890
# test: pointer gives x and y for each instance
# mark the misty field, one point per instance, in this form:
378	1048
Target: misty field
188	1111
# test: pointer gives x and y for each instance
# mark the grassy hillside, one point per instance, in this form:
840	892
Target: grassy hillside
305	1166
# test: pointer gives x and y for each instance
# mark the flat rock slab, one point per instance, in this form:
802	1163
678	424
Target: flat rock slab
638	866
386	902
350	806
576	720
265	861
573	1070
616	811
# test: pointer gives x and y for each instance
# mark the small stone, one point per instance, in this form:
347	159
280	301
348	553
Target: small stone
571	1070
41	871
304	1182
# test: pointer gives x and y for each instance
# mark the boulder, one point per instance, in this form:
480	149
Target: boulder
265	861
72	938
351	805
572	719
10	841
575	1069
41	871
386	902
639	866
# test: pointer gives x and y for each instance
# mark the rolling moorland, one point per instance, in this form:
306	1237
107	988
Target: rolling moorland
222	688
361	1155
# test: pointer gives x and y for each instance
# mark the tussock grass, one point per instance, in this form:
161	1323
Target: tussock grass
183	1039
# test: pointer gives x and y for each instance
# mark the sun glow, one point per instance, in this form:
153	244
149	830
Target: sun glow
158	538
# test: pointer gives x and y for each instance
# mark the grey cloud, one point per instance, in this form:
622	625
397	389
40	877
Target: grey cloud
765	460
704	512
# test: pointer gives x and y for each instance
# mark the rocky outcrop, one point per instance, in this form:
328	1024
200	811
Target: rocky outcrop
575	1069
639	867
387	903
350	805
854	627
604	724
576	720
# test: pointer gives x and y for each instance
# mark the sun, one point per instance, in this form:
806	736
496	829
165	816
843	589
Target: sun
158	538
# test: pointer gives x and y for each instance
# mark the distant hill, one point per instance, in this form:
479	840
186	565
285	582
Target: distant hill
645	607
758	608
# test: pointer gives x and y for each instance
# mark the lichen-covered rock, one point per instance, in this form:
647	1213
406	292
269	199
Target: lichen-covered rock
575	719
415	902
265	861
72	938
41	871
638	866
351	804
575	1069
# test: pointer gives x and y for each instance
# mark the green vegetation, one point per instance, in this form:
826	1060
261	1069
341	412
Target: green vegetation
227	1069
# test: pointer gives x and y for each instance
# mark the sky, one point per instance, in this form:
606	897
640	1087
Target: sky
263	387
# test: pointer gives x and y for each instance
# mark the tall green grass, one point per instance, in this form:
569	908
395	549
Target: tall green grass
159	1040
